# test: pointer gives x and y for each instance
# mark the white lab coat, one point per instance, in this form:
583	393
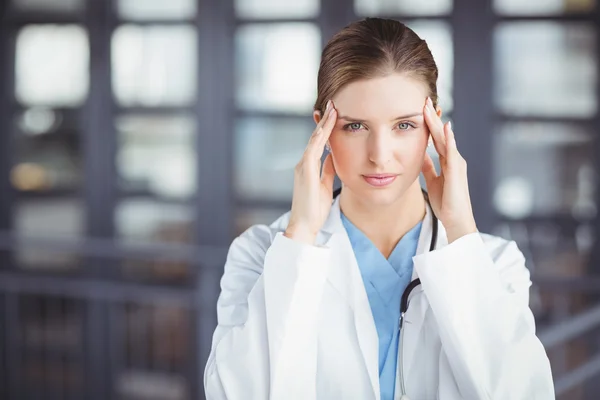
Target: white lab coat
294	321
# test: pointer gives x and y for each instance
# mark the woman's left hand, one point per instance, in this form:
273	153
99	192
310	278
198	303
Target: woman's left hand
448	191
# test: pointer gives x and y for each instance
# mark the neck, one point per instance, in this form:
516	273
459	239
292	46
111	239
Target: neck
385	226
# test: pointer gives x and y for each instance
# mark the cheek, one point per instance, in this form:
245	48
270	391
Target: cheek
347	152
415	145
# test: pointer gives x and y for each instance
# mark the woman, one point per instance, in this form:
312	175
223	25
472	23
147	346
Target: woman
310	305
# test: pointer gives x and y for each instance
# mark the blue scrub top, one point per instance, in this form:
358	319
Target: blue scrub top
385	281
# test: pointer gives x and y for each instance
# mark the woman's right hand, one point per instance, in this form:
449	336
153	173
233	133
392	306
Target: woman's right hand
313	194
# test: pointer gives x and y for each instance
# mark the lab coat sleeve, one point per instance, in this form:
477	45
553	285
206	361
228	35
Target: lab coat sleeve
479	296
264	346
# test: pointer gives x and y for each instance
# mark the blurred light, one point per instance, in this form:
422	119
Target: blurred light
514	197
148	220
276	66
52	65
545	135
277	8
28	177
370	8
38	121
265	153
157	153
545	69
156	9
438	36
57	6
543	7
548	156
154	65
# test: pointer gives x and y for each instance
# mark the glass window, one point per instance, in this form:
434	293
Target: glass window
145	220
246	218
58	6
52	65
265	154
543	7
544	169
47	156
276	67
60	217
157	154
370	8
55	218
276	8
154	65
545	69
156	9
438	36
164	385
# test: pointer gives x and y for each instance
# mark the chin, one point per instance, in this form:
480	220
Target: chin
382	197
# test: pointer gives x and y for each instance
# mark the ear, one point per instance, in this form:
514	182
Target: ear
439	111
317	116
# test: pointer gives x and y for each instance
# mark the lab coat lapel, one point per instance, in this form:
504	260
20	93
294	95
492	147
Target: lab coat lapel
418	309
344	275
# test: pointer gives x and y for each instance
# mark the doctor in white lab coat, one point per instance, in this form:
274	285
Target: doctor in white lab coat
294	319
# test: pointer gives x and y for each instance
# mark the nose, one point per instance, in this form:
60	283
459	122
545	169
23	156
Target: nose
380	147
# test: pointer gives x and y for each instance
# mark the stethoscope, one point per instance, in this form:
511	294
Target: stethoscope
408	290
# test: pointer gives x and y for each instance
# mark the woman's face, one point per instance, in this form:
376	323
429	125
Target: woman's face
380	131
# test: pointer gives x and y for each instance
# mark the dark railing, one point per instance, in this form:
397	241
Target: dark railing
104	335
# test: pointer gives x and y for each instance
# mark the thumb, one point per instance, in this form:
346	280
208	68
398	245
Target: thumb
328	174
428	169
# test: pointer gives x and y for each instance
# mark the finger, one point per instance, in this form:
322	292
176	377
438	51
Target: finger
317	143
319	128
428	169
451	149
328	174
324	116
322	121
436	127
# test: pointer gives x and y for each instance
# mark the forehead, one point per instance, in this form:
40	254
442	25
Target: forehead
383	97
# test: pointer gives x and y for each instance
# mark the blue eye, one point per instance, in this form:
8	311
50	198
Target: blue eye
353	127
404	126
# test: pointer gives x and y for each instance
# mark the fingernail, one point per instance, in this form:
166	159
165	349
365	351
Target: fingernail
328	106
450	125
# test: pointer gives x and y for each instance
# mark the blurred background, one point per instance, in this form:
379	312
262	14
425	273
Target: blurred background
139	137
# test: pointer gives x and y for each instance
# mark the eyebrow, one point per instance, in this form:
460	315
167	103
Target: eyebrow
348	118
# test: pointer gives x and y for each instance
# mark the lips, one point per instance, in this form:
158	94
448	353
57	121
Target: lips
379	180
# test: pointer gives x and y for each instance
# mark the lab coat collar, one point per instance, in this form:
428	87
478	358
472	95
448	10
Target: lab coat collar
344	275
333	225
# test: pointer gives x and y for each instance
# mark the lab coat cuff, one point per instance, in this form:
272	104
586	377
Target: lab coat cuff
464	252
310	260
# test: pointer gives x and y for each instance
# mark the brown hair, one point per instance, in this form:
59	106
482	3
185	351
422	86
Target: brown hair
373	47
